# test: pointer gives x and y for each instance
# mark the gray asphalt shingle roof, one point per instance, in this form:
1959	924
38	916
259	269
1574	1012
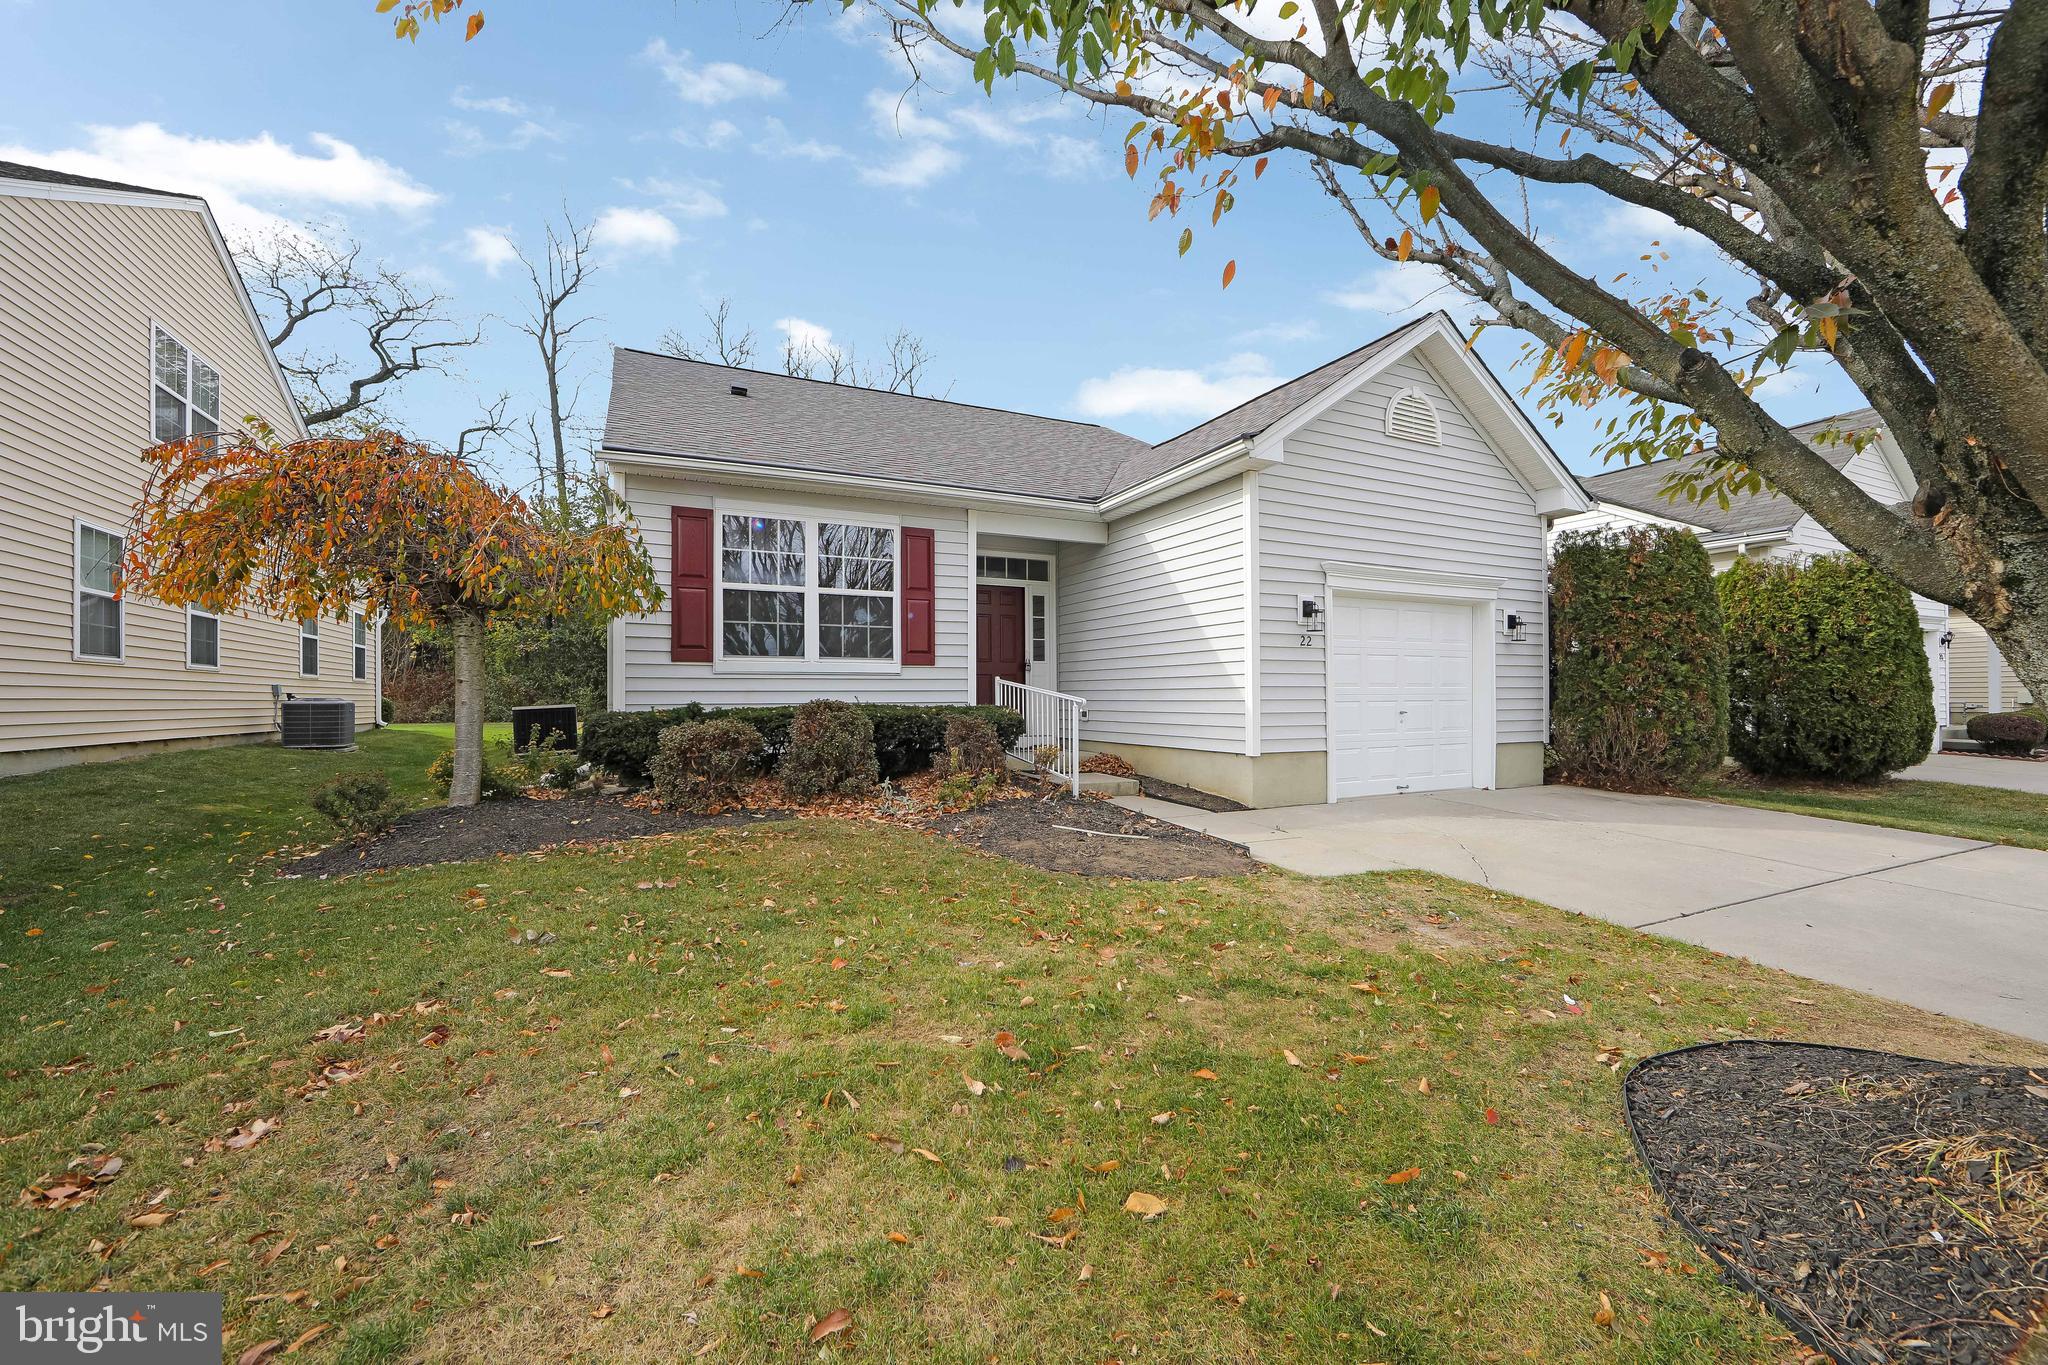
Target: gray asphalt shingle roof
43	175
1638	486
663	405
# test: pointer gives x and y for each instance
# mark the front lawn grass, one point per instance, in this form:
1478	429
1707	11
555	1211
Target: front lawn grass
768	1072
1991	814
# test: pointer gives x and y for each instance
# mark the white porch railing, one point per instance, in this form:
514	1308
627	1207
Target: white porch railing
1052	726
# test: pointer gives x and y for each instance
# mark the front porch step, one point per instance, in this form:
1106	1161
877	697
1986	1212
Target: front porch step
1107	783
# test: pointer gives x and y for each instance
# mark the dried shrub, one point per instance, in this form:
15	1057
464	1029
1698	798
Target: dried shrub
705	763
972	746
831	752
359	802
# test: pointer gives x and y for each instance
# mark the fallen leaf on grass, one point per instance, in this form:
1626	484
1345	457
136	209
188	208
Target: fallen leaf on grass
1491	1115
838	1320
1104	1167
269	1258
307	1336
1163	1119
928	1155
245	1137
1403	1177
1605	1317
1292	1060
152	1220
1146	1206
261	1351
543	1242
899	1239
559	973
434	1036
974	1087
1205	1074
1059	1242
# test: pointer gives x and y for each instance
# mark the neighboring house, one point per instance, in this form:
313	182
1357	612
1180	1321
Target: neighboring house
122	323
1336	589
1768	525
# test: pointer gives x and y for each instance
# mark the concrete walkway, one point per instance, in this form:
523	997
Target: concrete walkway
1972	770
1945	924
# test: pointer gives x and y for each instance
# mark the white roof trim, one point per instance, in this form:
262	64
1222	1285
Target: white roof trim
858	485
36	189
1526	452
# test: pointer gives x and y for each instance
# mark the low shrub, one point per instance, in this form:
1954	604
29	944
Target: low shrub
1639	664
702	764
555	765
831	752
972	746
502	775
1827	672
907	738
359	802
2007	732
966	790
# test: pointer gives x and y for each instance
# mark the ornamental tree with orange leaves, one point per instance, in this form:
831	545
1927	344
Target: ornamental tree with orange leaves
319	527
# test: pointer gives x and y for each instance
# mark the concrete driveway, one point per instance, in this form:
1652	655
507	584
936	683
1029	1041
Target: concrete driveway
1945	924
1975	770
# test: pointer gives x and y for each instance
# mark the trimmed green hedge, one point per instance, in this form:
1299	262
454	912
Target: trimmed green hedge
1639	667
1827	673
2007	732
906	737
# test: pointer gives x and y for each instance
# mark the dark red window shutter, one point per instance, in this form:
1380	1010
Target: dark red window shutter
920	595
690	585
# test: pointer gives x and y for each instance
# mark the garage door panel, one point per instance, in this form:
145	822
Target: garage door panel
1401	703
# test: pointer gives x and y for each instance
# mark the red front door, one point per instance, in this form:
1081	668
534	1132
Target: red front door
998	639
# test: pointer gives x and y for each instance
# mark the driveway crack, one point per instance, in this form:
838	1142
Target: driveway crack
1830	881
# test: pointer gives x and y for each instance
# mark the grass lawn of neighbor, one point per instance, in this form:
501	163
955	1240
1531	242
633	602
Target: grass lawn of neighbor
1992	814
837	1084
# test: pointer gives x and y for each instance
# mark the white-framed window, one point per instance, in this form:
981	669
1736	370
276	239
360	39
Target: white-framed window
96	632
184	390
1016	568
361	629
309	649
1038	627
202	639
806	588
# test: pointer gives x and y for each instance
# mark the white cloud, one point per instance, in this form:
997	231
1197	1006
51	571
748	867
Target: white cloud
249	183
489	247
807	339
717	133
467	139
1170	393
630	231
1393	290
491	104
685	198
712	82
919	166
899	116
777	140
1071	158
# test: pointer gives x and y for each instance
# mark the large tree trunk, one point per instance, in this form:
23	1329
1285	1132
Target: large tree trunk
466	636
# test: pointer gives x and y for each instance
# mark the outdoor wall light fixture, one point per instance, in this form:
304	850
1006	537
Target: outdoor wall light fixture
1512	627
1311	614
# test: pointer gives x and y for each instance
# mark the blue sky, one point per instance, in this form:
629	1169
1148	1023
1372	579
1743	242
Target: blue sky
722	156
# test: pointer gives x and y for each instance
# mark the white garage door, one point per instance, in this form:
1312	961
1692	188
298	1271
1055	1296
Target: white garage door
1400	696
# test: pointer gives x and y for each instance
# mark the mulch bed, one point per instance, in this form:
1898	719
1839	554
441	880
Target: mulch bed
1187	796
514	824
1028	829
1885	1207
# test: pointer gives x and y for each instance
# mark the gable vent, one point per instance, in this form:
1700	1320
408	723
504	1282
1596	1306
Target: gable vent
1412	417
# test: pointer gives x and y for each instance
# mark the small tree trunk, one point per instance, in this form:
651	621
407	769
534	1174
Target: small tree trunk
466	635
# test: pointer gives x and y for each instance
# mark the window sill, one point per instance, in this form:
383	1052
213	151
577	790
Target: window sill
76	657
803	668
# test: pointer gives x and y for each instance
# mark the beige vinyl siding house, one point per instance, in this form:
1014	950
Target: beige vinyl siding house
1979	678
111	301
1335	589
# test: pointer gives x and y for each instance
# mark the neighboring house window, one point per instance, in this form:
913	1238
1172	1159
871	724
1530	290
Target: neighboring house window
1038	627
780	576
184	392
202	639
1010	566
309	649
362	634
98	560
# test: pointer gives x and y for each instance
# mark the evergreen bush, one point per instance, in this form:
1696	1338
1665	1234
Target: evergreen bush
831	752
1639	668
1827	672
702	764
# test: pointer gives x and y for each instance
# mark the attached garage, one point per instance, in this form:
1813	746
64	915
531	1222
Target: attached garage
1410	681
